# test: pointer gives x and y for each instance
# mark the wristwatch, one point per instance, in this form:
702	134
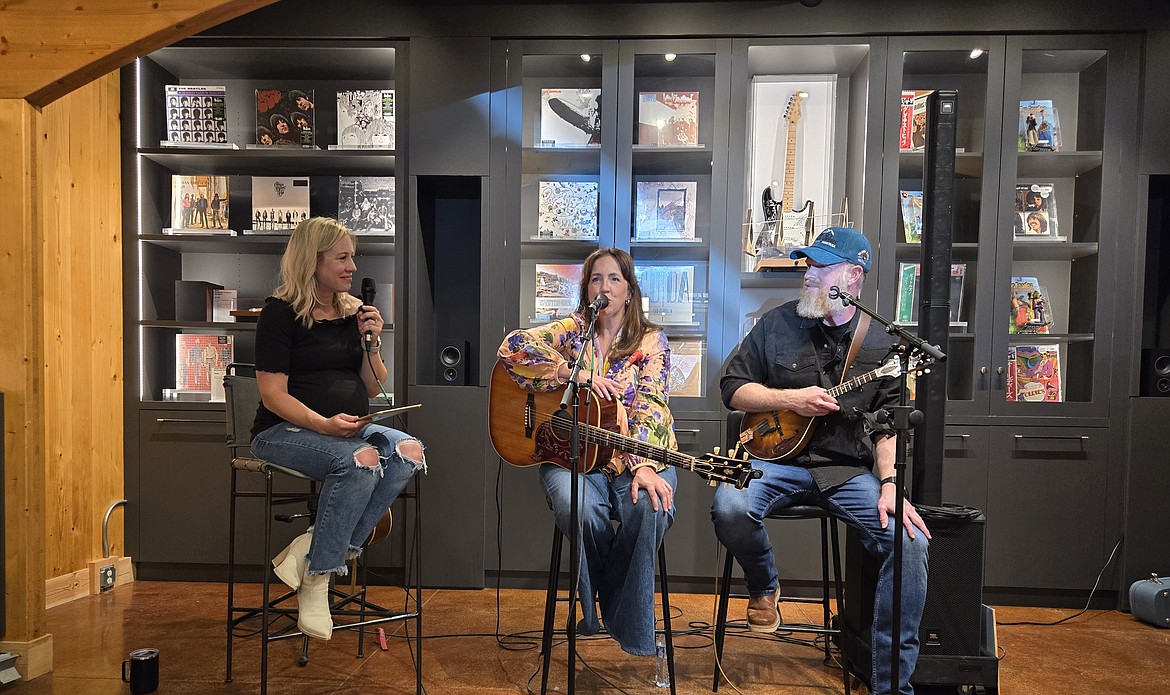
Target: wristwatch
890	481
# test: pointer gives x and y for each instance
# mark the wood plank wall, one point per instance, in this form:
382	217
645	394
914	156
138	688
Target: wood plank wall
61	346
20	377
81	289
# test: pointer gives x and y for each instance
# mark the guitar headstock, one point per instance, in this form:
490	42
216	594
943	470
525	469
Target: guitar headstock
792	111
891	367
716	468
919	364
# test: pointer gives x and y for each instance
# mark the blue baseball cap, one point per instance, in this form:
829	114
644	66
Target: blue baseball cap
837	244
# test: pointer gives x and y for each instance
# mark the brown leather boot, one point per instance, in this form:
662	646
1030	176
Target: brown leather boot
763	615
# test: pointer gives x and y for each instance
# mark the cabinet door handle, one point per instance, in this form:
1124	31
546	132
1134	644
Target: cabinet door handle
686	431
999	370
983	370
958	436
1083	437
188	421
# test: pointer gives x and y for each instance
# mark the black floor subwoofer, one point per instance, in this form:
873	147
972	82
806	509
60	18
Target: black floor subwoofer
957	643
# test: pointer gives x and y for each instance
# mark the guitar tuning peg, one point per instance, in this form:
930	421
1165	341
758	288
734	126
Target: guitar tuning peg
715	450
713	483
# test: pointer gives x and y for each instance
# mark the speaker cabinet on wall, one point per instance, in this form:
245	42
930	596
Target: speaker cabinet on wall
454	356
1156	372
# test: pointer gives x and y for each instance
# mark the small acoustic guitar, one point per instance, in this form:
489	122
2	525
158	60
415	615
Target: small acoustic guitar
528	428
781	434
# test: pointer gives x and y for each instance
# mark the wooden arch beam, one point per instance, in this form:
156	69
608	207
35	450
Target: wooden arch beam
48	48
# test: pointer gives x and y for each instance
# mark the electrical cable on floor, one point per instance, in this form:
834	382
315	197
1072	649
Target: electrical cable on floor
1087	603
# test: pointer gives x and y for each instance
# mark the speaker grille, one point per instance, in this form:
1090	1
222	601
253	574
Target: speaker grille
950	619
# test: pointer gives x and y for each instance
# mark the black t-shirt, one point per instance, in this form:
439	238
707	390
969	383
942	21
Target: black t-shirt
323	363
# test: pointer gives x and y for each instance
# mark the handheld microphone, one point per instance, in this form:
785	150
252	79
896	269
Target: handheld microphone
599	302
369	289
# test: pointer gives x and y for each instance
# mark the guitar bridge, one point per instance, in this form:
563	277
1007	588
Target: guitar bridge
529	416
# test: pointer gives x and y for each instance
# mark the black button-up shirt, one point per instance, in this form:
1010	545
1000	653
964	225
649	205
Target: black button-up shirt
786	351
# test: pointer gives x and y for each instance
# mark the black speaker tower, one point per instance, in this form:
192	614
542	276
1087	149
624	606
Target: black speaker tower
957	631
938	206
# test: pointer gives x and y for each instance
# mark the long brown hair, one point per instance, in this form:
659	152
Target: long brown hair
635	324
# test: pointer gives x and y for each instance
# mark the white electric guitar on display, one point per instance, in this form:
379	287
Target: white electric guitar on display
787	227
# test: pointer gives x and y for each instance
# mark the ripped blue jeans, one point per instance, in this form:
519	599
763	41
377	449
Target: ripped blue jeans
353	497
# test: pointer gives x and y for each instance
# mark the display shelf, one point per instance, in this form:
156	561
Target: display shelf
967	164
292	161
1056	165
368	245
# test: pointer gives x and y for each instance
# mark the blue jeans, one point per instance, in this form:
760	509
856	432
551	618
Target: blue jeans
617	565
738	517
353	497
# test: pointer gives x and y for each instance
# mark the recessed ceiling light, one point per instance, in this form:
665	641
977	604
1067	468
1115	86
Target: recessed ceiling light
670	56
586	57
976	52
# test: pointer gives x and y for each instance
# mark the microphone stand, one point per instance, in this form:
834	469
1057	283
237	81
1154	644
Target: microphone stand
904	417
571	401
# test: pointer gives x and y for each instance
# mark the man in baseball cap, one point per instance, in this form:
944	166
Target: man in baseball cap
837	244
788	362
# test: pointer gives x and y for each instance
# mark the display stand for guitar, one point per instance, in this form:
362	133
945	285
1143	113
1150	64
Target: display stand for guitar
910	349
780	264
571	401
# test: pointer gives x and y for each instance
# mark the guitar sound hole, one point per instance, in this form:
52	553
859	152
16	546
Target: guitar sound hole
562	424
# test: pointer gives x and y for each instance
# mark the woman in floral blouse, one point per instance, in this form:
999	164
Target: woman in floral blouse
629	360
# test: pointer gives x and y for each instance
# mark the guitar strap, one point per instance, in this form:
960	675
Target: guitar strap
855	344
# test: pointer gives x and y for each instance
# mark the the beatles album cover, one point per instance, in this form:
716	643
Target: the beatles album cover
195	115
365	119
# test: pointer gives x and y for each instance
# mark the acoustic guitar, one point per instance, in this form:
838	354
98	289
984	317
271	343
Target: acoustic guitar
781	434
528	428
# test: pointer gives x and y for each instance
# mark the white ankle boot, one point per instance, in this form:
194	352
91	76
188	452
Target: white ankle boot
313	617
290	564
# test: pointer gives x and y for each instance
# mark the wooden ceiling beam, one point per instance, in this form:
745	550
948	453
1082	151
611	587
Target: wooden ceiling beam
48	48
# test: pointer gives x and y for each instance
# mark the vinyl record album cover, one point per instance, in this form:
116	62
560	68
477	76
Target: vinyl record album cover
284	118
195	114
665	210
199	204
670	291
279	203
567	210
365	119
557	290
365	204
668	119
570	117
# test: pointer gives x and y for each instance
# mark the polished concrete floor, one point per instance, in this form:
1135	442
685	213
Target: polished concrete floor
1099	652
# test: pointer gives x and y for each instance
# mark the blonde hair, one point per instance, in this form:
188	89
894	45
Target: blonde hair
298	265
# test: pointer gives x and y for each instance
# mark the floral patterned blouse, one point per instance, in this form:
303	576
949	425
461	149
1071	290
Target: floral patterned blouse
533	356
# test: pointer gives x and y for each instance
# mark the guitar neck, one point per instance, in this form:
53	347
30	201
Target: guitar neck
788	194
853	383
637	447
